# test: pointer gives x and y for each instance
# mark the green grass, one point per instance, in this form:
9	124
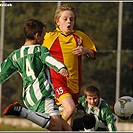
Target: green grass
4	127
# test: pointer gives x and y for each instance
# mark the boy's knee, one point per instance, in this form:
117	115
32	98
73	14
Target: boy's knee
70	109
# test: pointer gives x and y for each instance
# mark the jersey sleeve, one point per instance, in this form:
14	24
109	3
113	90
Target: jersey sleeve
47	58
6	69
81	104
110	119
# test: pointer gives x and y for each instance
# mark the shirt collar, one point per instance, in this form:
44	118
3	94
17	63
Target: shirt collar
63	32
99	103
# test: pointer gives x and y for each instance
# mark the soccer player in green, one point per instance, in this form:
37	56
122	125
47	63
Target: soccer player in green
98	116
33	61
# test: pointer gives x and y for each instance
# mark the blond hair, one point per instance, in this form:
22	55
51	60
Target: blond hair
61	9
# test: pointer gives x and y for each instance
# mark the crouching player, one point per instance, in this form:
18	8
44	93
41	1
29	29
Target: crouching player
98	116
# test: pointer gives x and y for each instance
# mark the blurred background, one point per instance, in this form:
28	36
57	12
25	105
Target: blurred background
109	25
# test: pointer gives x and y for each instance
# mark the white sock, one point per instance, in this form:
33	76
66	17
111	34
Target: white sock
40	119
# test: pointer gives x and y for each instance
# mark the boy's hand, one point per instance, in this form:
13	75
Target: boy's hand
79	50
64	72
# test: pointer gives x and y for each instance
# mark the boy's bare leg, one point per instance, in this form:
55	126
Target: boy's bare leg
58	124
69	109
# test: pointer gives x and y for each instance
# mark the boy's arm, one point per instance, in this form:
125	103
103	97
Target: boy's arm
112	125
53	63
80	106
86	46
56	65
80	50
6	69
110	120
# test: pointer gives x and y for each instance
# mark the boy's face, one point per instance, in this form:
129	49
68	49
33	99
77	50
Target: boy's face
92	100
66	21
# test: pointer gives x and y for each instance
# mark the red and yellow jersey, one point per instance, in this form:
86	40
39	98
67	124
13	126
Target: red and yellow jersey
61	47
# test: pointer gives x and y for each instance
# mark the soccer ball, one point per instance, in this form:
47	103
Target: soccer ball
123	107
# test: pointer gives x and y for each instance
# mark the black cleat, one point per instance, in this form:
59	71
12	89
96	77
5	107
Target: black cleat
13	109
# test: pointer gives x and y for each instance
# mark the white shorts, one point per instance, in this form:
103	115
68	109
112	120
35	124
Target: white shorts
51	107
48	106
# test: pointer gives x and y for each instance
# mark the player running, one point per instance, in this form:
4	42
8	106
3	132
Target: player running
32	61
68	45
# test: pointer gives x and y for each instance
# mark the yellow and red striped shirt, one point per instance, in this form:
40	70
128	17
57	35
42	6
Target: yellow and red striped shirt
61	47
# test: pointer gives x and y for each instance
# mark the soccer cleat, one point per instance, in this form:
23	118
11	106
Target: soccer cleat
13	109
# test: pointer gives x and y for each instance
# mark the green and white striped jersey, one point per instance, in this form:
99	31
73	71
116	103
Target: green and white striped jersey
102	111
32	62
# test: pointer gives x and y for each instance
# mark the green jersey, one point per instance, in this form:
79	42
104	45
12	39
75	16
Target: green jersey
102	111
32	62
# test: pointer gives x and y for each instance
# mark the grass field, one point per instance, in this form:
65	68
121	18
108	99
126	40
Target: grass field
16	128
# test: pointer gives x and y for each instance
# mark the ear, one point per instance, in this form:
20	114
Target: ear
36	35
57	23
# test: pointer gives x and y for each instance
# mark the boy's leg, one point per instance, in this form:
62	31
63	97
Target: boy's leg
92	123
41	119
58	124
78	124
64	98
50	120
65	126
69	109
16	109
89	121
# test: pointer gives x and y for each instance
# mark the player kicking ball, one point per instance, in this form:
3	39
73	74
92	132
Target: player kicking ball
33	61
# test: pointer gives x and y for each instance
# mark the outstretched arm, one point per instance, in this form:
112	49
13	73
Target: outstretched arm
53	63
6	69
